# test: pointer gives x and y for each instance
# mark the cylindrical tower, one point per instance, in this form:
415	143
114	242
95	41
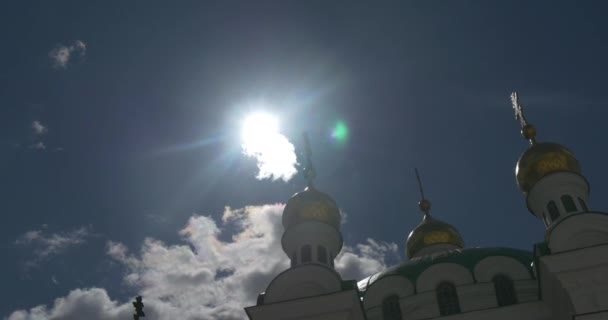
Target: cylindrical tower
312	228
557	193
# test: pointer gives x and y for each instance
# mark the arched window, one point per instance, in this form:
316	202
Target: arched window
546	220
322	254
293	259
306	253
447	298
505	292
583	204
568	203
391	310
553	212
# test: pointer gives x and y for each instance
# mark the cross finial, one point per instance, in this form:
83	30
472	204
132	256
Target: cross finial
519	112
527	130
309	170
424	204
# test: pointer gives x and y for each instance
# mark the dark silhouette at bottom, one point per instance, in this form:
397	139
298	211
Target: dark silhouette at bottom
139	308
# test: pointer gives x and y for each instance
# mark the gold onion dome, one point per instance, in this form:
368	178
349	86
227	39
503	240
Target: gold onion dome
431	232
311	205
542	159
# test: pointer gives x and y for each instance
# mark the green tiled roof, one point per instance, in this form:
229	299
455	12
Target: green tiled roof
465	257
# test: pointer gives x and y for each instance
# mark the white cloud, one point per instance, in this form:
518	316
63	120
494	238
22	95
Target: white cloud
365	259
61	55
205	277
45	245
39	128
90	304
275	155
38	146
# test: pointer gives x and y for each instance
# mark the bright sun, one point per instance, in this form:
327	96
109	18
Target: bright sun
259	127
274	153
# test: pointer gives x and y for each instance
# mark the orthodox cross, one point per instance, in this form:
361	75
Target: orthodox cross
519	111
309	170
527	130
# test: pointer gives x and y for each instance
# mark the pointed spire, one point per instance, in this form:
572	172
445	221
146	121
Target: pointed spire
309	170
527	130
423	204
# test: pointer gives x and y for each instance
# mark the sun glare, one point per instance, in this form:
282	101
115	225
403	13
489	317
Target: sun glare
274	153
257	127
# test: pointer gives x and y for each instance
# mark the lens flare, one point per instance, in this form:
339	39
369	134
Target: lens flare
340	132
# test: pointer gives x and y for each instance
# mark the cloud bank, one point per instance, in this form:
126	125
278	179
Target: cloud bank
205	277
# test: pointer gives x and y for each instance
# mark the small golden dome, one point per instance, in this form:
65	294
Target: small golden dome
542	159
311	204
429	232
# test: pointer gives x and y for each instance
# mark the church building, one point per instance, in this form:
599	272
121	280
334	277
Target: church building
565	277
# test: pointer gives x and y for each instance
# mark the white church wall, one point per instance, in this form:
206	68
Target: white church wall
472	296
476	297
385	287
526	311
578	231
526	290
303	281
488	268
343	305
420	306
477	301
437	273
575	282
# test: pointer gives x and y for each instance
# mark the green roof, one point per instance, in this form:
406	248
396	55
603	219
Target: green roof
465	257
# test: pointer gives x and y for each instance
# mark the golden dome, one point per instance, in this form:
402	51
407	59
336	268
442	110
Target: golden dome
542	159
429	232
311	205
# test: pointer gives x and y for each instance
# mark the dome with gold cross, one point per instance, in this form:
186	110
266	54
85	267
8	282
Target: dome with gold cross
542	159
311	205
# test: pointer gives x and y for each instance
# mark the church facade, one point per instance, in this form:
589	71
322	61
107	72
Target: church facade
563	278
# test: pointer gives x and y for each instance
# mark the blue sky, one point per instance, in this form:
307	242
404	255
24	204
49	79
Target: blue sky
120	122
